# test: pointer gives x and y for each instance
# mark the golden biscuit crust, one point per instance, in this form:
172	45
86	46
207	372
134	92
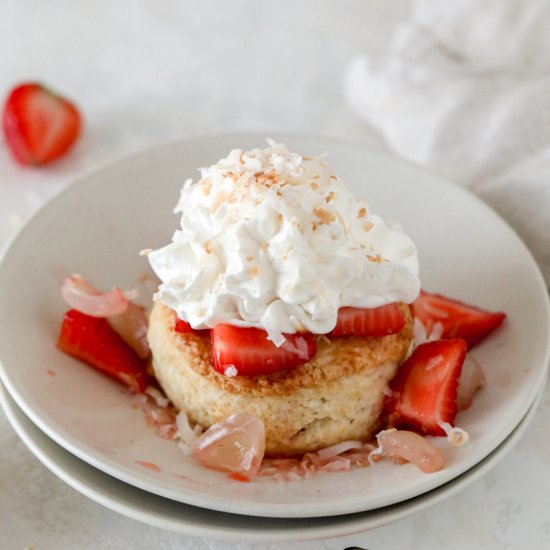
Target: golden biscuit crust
334	358
336	396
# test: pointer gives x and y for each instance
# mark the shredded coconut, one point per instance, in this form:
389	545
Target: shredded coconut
456	436
132	294
185	432
160	399
231	371
377	453
339	457
167	421
421	335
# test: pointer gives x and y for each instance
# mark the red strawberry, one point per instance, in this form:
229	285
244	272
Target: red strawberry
378	321
92	340
252	354
182	326
459	320
425	387
39	125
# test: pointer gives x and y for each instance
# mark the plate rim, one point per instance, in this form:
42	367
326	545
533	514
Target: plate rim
344	525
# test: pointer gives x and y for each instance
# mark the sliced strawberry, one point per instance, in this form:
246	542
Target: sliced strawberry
378	321
39	125
426	387
182	326
92	340
458	320
251	354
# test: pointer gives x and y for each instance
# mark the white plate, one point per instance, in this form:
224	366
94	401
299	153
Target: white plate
98	226
190	520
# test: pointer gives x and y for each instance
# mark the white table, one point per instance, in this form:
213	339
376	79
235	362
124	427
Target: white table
150	72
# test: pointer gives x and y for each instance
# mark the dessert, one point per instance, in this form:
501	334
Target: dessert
289	321
337	395
294	298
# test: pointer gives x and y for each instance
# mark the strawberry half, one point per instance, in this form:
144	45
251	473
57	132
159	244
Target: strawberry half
459	320
39	125
378	321
92	340
251	354
426	386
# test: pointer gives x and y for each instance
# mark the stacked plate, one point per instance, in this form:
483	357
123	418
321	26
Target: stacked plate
84	428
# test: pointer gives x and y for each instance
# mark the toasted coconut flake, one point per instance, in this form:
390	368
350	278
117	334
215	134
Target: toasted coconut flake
324	216
375	259
367	226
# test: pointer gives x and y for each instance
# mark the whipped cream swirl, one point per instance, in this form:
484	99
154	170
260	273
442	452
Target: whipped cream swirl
274	240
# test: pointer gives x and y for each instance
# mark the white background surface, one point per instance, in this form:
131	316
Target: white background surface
144	73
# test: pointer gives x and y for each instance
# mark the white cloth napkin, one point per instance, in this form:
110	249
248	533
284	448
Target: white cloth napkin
464	90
